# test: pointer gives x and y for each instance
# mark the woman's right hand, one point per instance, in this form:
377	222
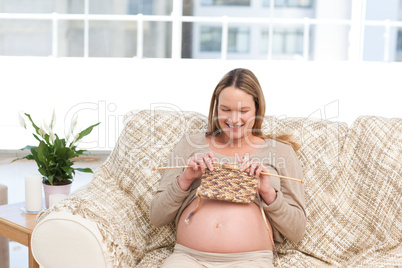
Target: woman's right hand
198	165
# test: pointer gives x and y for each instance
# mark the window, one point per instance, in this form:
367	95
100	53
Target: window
398	54
225	2
17	36
140	6
211	39
289	3
112	30
288	42
238	39
285	41
399	42
67	36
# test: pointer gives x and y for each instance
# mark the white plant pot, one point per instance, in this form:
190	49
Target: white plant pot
55	189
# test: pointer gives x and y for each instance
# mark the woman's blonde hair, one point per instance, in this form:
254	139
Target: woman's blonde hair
245	80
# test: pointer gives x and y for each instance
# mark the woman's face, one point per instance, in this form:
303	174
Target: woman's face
236	113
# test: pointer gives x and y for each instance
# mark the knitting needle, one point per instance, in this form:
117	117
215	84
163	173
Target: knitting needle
264	173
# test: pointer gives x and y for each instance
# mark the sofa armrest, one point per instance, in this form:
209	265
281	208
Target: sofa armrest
86	227
71	238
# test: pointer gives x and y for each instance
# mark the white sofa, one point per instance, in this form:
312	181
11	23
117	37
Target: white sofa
353	191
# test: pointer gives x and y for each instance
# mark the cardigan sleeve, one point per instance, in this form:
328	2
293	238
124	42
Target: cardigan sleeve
287	213
169	197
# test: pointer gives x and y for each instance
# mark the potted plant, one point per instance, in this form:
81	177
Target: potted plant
55	156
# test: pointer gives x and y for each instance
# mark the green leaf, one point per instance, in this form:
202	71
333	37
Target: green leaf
46	138
42	152
29	157
80	152
50	179
20	158
36	137
86	131
87	170
42	171
33	124
34	152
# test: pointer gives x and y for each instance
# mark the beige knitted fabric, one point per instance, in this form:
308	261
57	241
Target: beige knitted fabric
321	143
353	186
353	202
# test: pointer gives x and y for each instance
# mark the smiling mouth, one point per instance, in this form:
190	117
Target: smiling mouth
231	127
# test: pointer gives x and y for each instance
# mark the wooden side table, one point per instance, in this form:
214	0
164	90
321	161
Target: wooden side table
17	226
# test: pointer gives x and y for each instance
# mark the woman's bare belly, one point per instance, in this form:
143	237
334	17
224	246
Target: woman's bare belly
224	227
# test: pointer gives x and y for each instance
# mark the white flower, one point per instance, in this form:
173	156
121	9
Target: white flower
48	129
42	132
53	122
22	121
74	139
74	123
52	137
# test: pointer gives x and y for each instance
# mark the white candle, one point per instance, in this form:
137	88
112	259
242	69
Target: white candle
33	193
56	198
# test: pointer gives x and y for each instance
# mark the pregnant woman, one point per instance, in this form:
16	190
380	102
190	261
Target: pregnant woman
221	233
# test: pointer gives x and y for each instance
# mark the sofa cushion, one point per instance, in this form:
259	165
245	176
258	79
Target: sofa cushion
369	194
354	215
321	144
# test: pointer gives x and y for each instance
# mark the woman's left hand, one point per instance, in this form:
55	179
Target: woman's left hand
254	168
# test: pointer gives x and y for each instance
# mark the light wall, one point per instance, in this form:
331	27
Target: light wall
100	89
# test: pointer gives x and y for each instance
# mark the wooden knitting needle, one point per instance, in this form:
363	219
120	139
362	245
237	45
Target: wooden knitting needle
264	173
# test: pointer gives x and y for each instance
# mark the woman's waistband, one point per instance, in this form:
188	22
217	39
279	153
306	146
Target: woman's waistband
217	257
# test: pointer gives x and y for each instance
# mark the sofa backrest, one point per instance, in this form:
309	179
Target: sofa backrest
354	200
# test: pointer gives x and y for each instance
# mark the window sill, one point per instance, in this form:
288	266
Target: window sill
93	154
